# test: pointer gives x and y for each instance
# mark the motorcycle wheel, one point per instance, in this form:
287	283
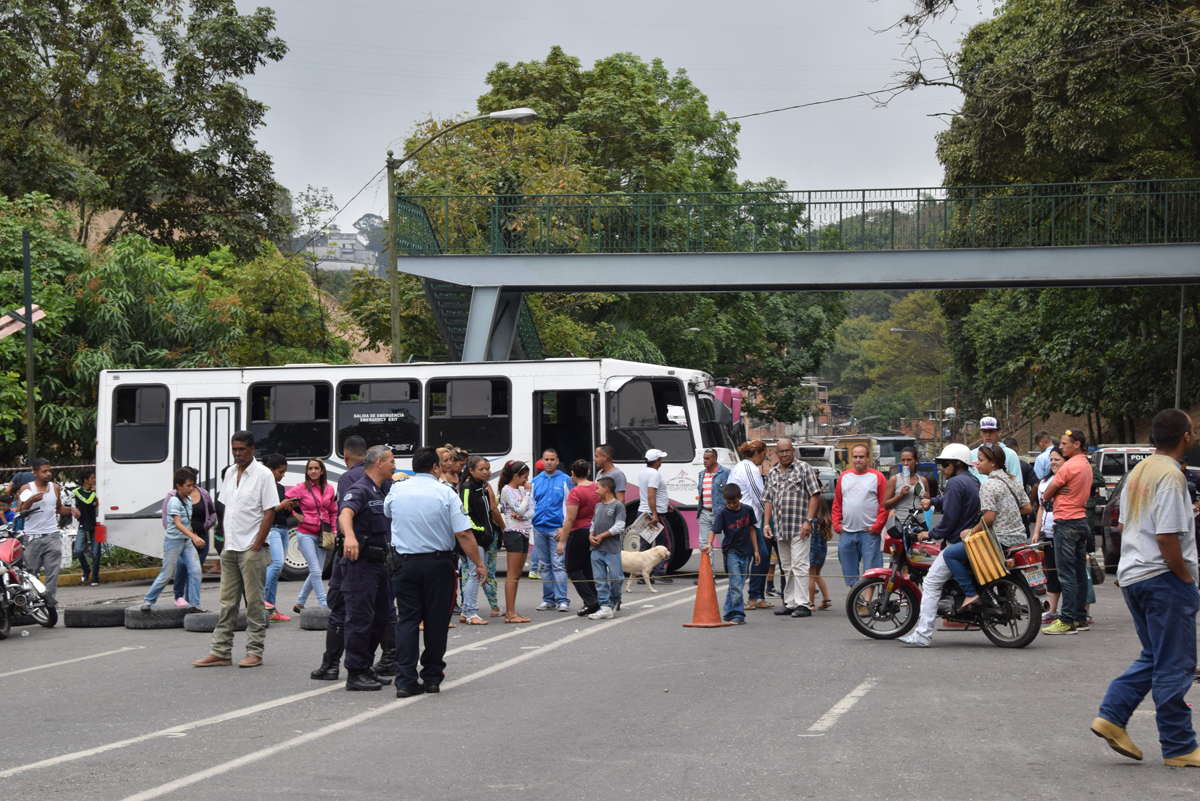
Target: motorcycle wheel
45	616
1023	620
882	618
5	624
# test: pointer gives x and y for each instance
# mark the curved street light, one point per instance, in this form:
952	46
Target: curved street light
521	116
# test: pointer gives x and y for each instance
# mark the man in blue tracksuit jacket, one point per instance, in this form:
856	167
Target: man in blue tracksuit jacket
550	488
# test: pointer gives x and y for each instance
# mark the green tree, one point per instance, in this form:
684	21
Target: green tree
131	112
878	410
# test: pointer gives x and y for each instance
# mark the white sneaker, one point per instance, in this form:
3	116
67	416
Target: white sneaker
917	640
604	613
564	607
545	606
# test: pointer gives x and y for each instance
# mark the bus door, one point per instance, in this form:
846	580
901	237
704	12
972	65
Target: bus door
569	422
203	429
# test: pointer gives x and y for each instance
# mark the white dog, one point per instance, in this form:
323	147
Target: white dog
637	563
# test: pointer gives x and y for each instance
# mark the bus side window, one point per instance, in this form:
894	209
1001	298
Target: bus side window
140	424
382	413
470	413
292	419
649	413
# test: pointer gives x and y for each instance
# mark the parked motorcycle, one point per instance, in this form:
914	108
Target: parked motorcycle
885	603
21	593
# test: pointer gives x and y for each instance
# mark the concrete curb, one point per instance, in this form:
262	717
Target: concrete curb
136	574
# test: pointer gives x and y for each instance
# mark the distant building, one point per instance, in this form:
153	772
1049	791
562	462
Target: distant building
341	251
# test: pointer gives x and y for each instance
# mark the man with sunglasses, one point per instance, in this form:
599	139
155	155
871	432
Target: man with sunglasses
1070	488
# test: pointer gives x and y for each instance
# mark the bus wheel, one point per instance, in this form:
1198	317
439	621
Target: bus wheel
295	566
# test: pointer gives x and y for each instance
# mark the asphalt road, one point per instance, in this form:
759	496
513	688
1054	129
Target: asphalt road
566	707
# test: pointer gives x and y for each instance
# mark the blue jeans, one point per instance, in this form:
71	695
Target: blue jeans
553	567
758	573
1164	615
470	603
182	576
855	545
608	573
85	542
736	566
1070	554
277	541
960	565
312	555
173	551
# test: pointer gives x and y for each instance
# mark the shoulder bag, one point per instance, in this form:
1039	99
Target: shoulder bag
328	539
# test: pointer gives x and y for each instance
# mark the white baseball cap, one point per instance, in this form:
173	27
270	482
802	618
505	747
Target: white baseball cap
989	424
654	454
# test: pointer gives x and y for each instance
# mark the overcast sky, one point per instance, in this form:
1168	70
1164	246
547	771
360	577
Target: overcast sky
361	73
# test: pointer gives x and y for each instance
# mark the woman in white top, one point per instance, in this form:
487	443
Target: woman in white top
1043	529
747	475
516	507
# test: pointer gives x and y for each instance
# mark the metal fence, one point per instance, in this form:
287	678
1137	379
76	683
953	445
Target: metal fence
1097	213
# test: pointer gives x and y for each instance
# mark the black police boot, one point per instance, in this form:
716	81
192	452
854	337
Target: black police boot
386	666
361	681
384	679
334	643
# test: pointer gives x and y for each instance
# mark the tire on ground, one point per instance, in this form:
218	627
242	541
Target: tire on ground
315	619
207	621
159	617
93	617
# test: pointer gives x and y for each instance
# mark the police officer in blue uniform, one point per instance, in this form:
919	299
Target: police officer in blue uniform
365	589
427	518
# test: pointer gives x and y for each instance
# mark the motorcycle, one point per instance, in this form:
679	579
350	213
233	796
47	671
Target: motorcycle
21	593
885	603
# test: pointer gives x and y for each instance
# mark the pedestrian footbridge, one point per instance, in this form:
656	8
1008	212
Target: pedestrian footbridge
479	254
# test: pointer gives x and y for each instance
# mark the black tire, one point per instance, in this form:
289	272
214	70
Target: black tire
93	617
681	552
47	616
315	619
1023	618
205	622
886	619
159	617
22	620
5	626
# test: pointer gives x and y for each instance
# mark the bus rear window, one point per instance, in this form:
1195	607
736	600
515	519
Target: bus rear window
140	430
470	413
382	413
292	419
649	413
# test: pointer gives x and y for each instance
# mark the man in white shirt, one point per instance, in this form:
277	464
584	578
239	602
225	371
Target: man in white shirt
1158	577
653	501
250	498
41	502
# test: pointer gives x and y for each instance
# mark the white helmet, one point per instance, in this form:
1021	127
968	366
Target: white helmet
957	452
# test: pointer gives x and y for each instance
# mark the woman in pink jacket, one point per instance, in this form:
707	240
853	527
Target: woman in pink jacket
318	508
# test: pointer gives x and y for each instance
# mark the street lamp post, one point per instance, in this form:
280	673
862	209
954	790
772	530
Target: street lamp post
521	116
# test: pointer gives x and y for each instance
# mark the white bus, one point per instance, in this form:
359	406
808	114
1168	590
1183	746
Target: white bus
152	422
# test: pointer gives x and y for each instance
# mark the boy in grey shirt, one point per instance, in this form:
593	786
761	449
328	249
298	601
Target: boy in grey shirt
608	524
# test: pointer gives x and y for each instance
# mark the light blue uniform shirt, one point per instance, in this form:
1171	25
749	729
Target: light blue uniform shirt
425	515
1012	463
1041	465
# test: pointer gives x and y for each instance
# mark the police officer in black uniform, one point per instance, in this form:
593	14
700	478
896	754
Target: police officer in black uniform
365	586
354	450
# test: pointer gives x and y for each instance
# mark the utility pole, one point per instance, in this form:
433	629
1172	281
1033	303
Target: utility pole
393	270
1179	358
29	410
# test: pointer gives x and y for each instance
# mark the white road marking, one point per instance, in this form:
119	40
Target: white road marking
325	731
71	661
244	711
842	707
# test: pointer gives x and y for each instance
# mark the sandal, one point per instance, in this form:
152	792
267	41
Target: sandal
761	604
825	604
462	619
515	618
476	620
495	613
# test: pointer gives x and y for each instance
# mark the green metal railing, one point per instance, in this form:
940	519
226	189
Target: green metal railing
1098	213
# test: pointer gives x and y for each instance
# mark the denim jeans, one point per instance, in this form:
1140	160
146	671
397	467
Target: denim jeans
470	603
173	550
553	567
1164	615
182	576
737	566
704	521
277	541
960	565
758	573
1070	554
85	543
855	545
313	555
608	573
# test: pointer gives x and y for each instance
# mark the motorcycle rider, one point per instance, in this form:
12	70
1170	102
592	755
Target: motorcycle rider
959	506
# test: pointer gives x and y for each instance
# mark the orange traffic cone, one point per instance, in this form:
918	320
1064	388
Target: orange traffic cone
707	614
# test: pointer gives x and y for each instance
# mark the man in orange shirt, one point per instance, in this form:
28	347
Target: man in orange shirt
1070	489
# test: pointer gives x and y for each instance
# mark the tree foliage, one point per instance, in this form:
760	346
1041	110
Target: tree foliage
131	112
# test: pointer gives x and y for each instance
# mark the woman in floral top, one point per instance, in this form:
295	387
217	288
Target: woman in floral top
1002	500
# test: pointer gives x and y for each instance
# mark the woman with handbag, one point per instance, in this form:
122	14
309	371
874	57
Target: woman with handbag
314	531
